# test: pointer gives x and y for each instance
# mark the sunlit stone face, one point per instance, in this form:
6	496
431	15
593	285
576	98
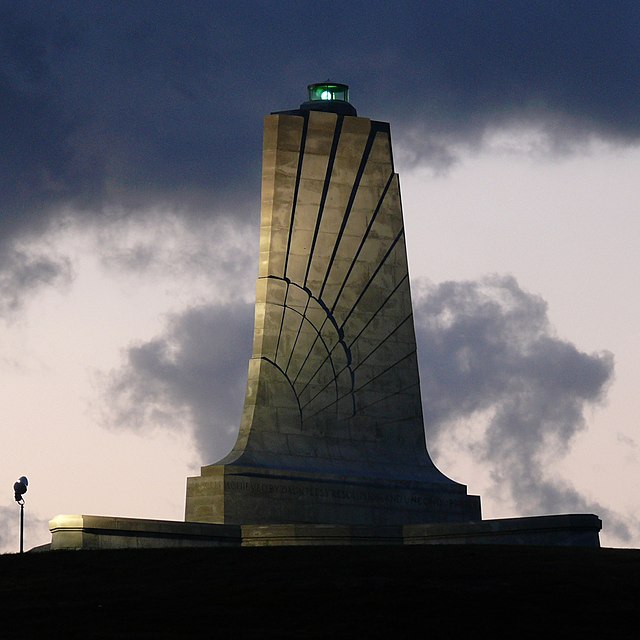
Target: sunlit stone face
333	394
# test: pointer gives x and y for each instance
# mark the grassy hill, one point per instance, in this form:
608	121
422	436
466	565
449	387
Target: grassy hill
322	592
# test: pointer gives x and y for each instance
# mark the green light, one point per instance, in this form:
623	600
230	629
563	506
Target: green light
328	91
330	97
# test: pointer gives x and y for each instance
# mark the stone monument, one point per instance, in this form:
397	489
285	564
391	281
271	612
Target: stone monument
331	448
332	428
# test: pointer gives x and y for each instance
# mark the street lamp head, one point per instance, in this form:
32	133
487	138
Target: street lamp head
20	488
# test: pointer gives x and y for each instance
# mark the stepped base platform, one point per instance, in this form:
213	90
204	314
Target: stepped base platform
237	494
88	532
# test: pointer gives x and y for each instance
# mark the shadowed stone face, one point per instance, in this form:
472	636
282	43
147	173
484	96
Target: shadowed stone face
333	387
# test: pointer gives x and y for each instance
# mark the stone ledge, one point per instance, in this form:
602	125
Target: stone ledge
577	529
113	532
110	532
319	534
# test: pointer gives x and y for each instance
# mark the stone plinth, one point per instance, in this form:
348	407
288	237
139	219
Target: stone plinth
99	532
233	494
109	532
567	530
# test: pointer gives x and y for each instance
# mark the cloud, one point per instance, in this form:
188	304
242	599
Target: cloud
120	111
489	339
192	377
113	112
130	107
491	365
34	527
489	361
7	515
215	258
108	109
24	271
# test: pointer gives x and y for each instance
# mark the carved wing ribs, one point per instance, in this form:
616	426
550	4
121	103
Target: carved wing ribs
333	304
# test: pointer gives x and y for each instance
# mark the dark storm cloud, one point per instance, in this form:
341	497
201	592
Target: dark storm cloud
124	106
25	272
486	349
488	339
192	377
220	254
108	109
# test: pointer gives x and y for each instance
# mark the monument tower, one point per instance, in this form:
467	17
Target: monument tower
331	448
332	429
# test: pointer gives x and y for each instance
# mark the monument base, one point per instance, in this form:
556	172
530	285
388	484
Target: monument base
233	494
112	532
78	532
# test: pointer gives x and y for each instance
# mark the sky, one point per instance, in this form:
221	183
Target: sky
130	139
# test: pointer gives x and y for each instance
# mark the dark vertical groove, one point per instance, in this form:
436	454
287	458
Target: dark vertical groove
284	311
352	197
372	278
385	371
372	318
391	395
304	362
325	190
362	242
339	335
381	342
355	339
303	142
295	342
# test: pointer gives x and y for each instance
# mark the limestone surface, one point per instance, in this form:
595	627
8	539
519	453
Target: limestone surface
332	429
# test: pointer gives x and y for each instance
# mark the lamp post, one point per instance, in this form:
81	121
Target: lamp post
19	489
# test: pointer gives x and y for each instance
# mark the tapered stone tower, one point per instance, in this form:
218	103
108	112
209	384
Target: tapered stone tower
331	448
332	428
